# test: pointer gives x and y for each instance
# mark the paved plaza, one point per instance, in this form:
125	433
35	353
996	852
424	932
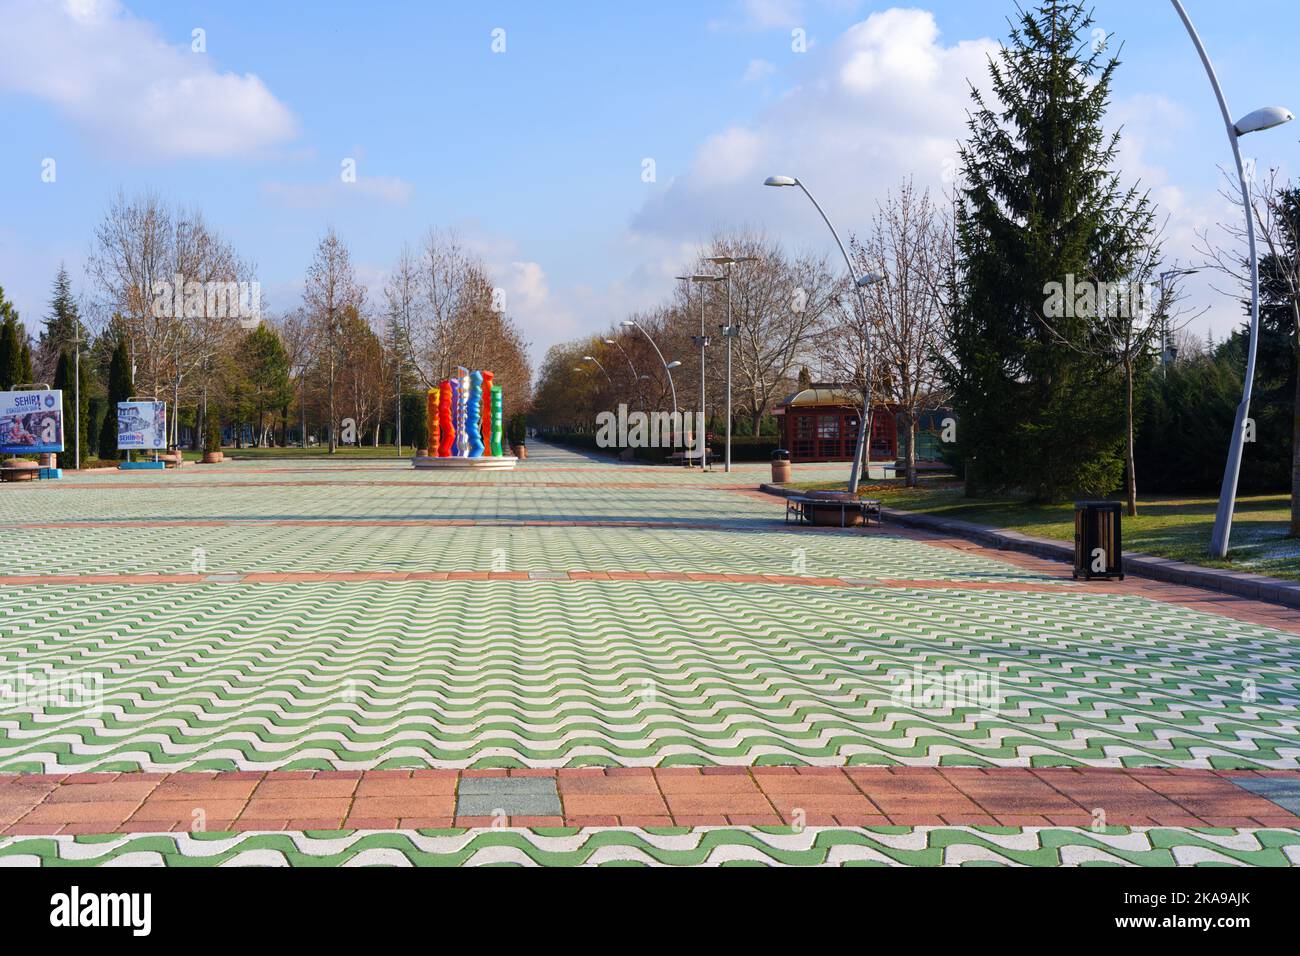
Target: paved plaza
585	662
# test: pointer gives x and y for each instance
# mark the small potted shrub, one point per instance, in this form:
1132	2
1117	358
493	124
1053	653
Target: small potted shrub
212	442
516	433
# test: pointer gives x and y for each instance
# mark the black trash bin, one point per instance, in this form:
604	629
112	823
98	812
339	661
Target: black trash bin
1098	542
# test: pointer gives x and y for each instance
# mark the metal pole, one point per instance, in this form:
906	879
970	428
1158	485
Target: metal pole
636	379
864	426
399	407
596	362
704	415
667	370
76	394
1232	471
302	380
729	333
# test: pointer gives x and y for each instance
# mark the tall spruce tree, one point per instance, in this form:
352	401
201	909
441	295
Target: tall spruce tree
1039	408
62	324
12	339
120	388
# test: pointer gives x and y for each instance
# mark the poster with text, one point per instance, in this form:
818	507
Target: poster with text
141	426
31	422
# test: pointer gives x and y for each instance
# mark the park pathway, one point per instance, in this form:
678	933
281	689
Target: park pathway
586	661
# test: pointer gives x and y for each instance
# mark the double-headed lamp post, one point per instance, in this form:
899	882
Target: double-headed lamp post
702	340
859	283
1266	118
729	332
668	366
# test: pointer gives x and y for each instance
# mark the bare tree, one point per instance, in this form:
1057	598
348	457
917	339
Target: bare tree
157	269
331	289
911	247
1275	206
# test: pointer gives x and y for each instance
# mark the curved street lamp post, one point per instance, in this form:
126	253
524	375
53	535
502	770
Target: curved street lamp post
859	283
668	366
1263	119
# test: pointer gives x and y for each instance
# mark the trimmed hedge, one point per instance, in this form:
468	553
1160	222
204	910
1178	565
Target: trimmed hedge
743	448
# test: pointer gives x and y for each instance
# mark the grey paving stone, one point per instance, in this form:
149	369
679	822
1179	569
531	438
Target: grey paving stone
516	786
1284	791
512	805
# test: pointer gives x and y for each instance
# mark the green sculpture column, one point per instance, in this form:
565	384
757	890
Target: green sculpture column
496	420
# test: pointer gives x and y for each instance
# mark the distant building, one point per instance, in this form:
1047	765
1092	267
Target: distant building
821	424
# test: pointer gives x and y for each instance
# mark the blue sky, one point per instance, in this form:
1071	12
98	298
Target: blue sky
536	154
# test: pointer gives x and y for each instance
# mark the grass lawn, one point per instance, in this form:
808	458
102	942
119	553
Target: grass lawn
1177	528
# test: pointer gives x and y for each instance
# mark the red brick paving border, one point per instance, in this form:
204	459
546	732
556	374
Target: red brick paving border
682	796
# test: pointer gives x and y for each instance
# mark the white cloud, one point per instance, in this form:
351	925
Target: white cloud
887	100
757	70
131	90
319	195
768	14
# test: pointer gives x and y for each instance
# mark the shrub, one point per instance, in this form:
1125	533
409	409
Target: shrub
212	435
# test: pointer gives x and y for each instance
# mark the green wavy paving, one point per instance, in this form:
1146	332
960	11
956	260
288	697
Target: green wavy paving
637	673
250	548
894	846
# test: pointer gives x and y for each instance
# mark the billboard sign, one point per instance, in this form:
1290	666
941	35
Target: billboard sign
31	422
141	425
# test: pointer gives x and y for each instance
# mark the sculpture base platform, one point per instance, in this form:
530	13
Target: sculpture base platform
503	463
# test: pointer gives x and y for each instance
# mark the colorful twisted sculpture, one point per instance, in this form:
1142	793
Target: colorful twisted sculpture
466	418
496	432
432	419
446	430
460	397
485	420
474	416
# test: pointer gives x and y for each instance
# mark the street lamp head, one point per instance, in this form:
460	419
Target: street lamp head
1266	118
627	323
730	260
674	364
609	341
780	181
701	277
871	278
588	358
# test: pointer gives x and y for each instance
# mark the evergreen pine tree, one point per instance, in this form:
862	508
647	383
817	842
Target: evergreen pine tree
12	336
120	389
11	354
1038	408
62	324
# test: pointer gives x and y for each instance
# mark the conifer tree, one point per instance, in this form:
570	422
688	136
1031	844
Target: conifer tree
1038	408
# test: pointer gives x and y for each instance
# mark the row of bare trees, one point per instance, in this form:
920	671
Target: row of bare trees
349	356
789	311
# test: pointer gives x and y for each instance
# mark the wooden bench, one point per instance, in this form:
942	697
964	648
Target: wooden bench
19	469
802	507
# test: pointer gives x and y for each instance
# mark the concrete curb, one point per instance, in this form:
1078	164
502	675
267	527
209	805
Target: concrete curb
1255	586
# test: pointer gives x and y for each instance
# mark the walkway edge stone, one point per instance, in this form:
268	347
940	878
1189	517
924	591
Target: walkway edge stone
1240	583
